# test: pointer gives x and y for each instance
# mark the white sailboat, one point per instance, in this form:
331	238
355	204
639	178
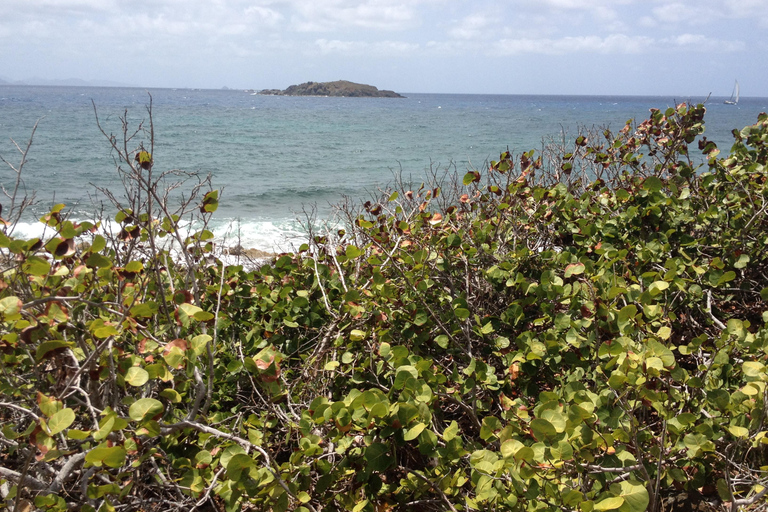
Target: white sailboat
734	95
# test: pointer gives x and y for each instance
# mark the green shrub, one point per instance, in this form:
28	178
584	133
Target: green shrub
585	331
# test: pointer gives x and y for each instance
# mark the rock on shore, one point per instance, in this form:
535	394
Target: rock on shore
337	88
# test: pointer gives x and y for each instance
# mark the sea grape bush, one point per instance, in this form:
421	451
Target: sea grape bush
583	331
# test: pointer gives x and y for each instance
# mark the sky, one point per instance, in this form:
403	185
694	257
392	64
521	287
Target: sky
624	47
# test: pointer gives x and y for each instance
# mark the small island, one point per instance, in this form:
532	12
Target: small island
338	88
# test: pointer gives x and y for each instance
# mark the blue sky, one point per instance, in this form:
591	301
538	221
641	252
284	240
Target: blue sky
636	47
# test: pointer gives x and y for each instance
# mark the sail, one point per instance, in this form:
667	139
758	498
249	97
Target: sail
734	100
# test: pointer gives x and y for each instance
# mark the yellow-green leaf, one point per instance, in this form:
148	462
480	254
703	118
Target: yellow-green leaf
145	408
611	503
61	420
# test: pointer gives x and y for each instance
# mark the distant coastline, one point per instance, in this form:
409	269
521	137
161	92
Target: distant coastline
67	82
339	88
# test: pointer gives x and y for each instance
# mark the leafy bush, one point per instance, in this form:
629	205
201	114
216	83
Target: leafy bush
584	331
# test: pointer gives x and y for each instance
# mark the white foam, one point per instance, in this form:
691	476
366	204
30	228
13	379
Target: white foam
272	236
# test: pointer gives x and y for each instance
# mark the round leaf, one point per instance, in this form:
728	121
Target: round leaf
136	376
145	408
611	503
61	420
635	495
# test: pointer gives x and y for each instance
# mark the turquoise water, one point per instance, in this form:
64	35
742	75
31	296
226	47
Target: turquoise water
274	155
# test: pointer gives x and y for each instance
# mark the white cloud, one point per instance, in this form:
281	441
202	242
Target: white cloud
265	15
315	34
357	48
617	44
613	44
474	26
679	13
340	14
701	43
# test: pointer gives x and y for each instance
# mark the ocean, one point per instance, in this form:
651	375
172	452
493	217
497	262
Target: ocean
273	157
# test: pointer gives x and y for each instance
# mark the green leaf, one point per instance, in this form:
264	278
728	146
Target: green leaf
48	346
617	379
556	418
147	309
203	316
414	431
652	184
659	350
451	431
611	503
574	269
635	495
738	431
753	368
237	464
171	395
726	277
210	201
698	442
510	447
404	373
136	376
421	318
542	429
175	357
352	252
461	313
378	457
10	307
113	457
742	261
626	317
203	457
61	420
187	311
78	435
106	426
36	266
657	287
134	267
99	243
145	408
105	331
199	343
98	261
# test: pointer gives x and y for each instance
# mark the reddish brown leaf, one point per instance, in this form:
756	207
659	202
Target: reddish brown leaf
514	371
264	365
178	342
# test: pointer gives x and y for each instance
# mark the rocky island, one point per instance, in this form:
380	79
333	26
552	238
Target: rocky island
337	88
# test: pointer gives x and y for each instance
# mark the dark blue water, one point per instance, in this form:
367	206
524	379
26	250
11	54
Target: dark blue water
271	155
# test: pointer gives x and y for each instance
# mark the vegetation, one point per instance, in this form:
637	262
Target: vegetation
338	88
584	330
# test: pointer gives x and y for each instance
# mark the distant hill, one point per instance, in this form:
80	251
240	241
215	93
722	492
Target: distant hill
337	88
68	82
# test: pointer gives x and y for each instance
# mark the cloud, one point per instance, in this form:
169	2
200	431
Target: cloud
701	43
264	15
340	14
175	36
358	48
678	13
474	26
614	44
